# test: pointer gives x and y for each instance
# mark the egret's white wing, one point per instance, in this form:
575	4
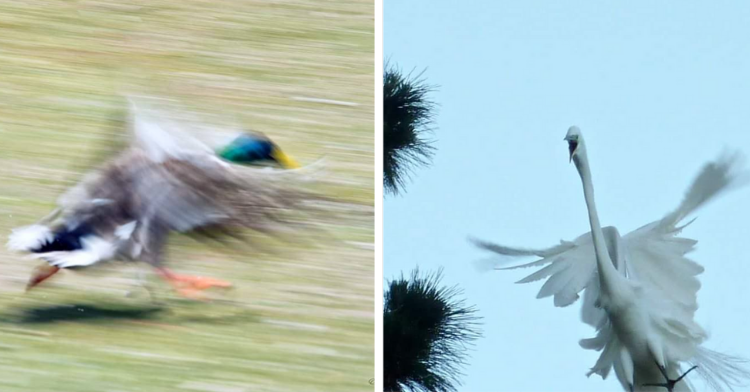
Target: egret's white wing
569	268
715	177
656	256
658	262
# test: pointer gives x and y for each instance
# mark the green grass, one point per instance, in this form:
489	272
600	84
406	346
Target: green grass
299	318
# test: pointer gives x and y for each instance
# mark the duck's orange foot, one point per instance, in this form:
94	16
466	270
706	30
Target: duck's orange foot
192	286
40	274
201	283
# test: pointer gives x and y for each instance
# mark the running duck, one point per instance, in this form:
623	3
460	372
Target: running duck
166	181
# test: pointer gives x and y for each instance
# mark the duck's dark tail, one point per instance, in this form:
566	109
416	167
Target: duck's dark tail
72	247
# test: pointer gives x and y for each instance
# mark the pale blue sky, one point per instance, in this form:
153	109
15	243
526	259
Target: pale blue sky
657	88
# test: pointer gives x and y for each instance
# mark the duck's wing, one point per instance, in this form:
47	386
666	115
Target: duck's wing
161	137
149	141
189	187
191	130
201	191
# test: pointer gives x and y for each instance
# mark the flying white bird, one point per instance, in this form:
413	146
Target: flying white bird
640	289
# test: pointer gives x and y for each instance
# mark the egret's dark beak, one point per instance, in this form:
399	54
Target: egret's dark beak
41	273
572	147
284	160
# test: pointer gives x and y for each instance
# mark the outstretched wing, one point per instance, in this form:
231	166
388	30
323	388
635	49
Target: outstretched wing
656	255
189	194
154	140
160	137
202	131
188	187
569	268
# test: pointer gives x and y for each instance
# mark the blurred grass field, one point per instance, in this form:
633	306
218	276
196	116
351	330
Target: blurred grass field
301	317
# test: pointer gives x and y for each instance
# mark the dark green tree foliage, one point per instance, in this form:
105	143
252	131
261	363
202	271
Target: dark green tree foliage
407	115
427	330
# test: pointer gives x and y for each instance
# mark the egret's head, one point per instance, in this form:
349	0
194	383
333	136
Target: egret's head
575	141
253	147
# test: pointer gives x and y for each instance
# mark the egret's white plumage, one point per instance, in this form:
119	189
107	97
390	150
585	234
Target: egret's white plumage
640	290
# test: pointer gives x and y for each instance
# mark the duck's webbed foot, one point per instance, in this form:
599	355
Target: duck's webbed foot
670	384
40	274
191	286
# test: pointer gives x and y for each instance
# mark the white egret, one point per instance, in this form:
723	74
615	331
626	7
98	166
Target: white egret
640	289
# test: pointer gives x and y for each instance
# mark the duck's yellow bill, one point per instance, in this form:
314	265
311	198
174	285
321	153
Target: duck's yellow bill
283	159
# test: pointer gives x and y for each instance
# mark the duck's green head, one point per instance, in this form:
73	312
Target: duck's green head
250	148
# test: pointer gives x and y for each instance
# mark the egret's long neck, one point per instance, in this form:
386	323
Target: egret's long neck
608	275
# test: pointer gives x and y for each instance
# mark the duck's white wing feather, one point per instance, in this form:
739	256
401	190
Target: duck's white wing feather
209	131
160	137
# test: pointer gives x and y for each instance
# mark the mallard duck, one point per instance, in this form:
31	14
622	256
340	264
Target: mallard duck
165	182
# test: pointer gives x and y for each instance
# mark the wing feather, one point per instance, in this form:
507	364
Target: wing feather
655	251
568	267
715	177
